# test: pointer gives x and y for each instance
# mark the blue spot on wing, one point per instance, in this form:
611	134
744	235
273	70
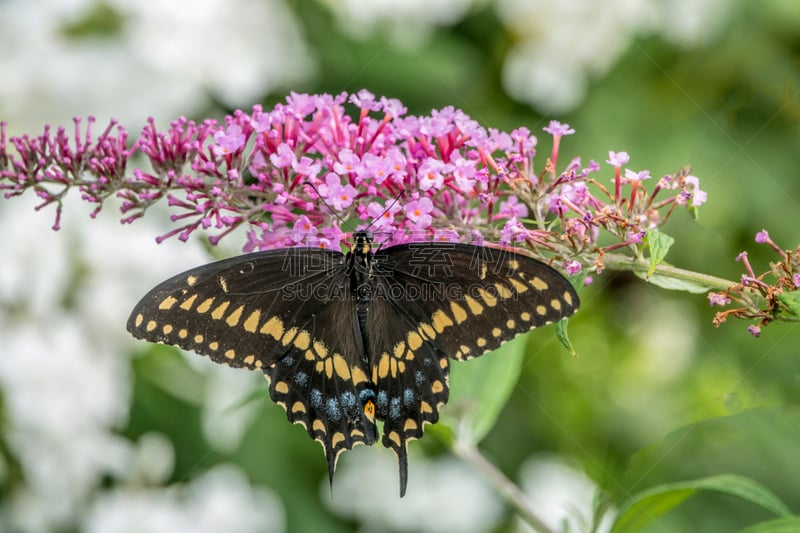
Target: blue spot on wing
315	398
408	397
332	409
394	408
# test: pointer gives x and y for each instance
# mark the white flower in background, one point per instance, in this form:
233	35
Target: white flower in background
562	45
62	396
222	499
561	495
407	23
443	494
166	59
64	368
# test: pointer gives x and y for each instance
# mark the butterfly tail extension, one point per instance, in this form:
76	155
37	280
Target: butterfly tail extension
399	446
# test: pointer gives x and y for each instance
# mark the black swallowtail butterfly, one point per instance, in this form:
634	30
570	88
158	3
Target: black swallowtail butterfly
349	339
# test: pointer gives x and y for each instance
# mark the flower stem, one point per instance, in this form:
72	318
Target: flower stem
470	453
623	262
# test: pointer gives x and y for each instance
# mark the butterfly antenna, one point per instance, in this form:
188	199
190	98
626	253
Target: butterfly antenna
388	208
326	204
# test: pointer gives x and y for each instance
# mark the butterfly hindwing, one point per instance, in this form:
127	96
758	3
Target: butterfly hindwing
321	385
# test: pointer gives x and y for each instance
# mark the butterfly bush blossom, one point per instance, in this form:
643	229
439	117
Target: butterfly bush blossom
292	175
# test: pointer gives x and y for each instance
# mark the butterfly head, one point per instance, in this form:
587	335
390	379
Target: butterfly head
362	243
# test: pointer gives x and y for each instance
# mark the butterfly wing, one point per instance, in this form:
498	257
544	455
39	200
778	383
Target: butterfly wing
284	312
434	301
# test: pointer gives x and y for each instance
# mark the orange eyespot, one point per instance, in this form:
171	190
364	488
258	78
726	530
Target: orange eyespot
369	410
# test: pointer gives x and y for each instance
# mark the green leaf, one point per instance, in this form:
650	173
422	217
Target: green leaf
673	284
791	300
648	505
562	334
659	244
781	525
480	388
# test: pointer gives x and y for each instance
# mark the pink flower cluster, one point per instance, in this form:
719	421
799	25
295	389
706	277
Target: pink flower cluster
298	173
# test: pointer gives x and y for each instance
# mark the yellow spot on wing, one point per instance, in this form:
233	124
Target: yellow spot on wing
217	313
214	345
511	324
337	438
191	280
358	376
496	332
383	366
205	305
230	354
555	304
395	437
539	284
167	303
481	342
167	329
234	318
251	324
426	331
298	407
249	360
542	310
139	319
490	299
321	349
198	339
518	285
459	314
425	407
414	340
437	387
274	327
282	387
567	297
303	340
513	264
473	305
289	336
441	321
399	349
341	367
151	325
503	291
410	425
189	302
526	316
183	333
318	426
